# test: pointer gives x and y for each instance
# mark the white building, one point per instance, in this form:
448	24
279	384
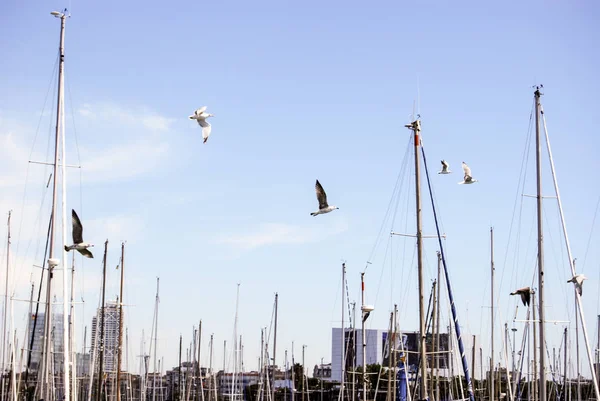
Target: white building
56	346
375	343
377	349
111	337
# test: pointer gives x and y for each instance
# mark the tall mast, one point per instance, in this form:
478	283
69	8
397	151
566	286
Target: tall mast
72	344
366	310
597	350
274	351
155	329
389	396
415	126
179	381
538	158
492	311
235	343
394	353
434	344
199	375
364	337
565	365
343	344
437	330
303	374
101	364
293	374
210	370
5	303
577	362
353	350
535	339
262	363
52	262
120	344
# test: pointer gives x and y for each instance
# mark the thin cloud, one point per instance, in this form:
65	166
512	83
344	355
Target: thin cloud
268	234
139	147
140	116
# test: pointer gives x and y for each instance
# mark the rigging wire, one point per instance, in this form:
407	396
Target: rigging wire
518	197
37	130
399	183
587	248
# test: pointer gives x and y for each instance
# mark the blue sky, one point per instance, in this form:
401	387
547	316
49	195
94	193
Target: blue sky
300	91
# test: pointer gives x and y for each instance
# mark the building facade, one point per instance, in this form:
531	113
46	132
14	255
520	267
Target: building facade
377	351
56	344
111	337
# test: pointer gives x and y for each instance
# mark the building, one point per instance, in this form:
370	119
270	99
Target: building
111	337
377	351
56	334
243	381
322	371
82	364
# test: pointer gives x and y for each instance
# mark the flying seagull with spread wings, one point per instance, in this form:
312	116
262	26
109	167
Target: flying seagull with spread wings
201	115
525	294
78	244
577	280
322	198
468	179
445	168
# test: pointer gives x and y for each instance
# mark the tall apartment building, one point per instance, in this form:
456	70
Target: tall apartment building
377	351
111	337
56	344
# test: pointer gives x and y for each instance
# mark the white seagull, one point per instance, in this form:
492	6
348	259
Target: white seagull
78	244
468	179
200	115
322	198
577	280
445	168
525	294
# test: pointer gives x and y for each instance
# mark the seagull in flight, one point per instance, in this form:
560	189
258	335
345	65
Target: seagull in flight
200	115
525	294
322	198
445	168
577	280
468	179
78	244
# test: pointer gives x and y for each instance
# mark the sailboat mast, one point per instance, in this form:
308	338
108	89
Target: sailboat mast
235	343
492	311
120	343
437	330
415	126
179	378
5	302
538	158
199	375
101	364
364	337
565	365
274	350
210	370
72	344
52	263
293	374
157	300
65	339
343	343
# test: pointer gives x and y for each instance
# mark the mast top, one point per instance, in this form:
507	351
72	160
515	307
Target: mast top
537	92
61	14
415	125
